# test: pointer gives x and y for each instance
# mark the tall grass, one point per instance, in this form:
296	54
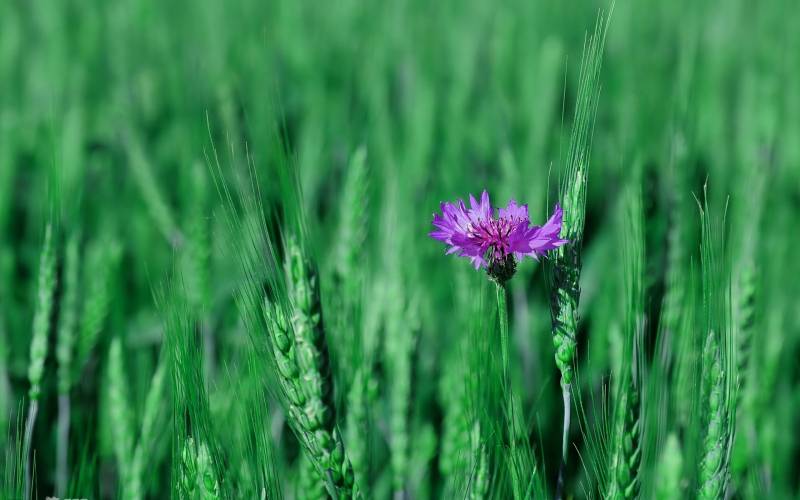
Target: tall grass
216	280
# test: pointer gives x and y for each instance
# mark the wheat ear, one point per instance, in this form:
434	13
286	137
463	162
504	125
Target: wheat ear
41	327
301	355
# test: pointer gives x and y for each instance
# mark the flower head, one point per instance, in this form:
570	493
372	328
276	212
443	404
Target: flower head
492	241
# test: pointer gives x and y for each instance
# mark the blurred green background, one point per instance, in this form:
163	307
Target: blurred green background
110	113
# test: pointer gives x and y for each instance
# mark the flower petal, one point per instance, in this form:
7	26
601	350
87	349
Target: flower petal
547	237
514	212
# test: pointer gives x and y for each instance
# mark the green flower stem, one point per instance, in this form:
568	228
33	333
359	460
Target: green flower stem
502	313
513	429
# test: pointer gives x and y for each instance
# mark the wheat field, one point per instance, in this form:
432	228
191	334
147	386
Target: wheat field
399	250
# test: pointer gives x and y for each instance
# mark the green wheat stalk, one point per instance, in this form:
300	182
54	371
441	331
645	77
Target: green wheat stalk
626	438
353	223
626	460
197	460
135	487
296	340
359	400
348	278
98	270
38	352
566	265
120	414
298	345
400	344
718	377
64	353
712	479
314	365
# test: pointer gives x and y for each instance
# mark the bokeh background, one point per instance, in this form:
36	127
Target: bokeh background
111	113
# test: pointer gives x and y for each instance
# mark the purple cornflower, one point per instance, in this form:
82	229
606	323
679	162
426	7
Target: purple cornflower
495	243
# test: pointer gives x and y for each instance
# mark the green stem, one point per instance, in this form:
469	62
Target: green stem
502	313
62	444
565	388
33	410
